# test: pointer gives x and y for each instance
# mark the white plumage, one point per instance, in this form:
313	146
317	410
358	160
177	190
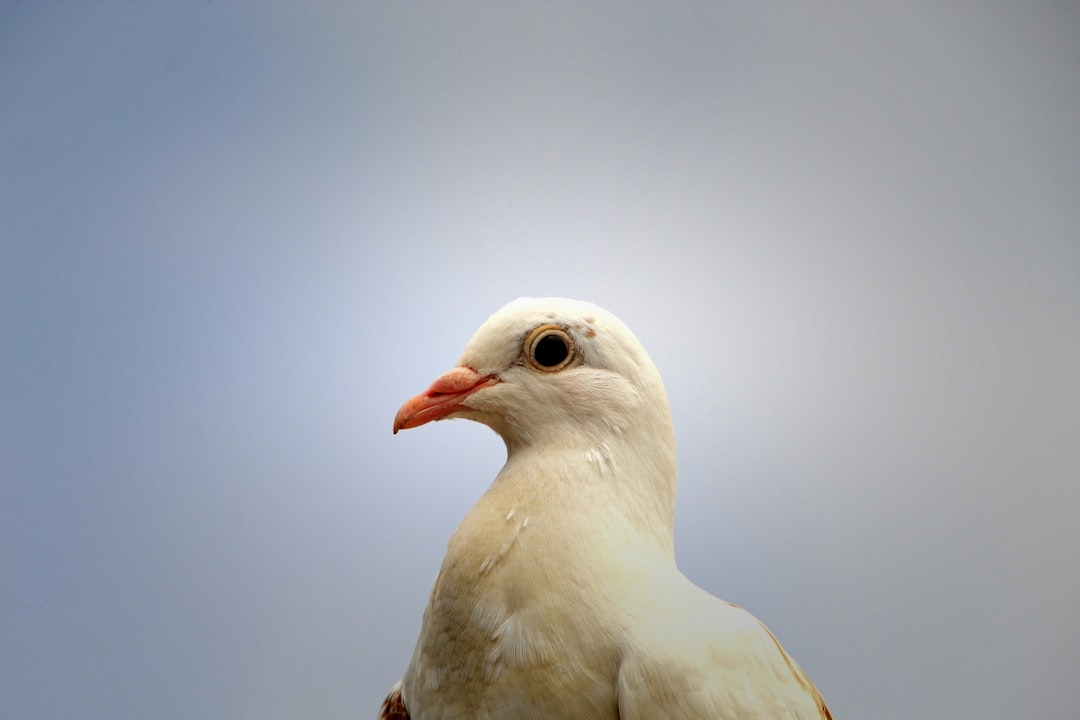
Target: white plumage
559	596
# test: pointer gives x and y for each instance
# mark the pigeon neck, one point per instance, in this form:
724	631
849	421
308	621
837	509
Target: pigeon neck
626	479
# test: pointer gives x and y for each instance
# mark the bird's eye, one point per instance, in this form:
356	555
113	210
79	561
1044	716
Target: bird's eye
548	348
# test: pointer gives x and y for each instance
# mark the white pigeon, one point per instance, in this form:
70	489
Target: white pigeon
559	596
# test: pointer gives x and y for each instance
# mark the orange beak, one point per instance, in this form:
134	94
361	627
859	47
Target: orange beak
443	398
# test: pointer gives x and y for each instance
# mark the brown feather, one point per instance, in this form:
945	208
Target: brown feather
393	707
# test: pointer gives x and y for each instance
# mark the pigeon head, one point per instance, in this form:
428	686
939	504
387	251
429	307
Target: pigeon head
550	369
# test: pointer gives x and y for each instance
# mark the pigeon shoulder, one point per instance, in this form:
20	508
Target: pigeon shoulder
701	657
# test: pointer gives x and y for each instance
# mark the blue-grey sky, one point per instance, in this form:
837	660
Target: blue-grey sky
235	236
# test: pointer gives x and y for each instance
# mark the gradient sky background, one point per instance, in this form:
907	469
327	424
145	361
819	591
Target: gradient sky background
234	237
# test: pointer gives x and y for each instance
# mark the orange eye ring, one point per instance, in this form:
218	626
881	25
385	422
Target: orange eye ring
549	348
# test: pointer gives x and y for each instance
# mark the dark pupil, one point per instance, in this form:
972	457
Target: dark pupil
550	350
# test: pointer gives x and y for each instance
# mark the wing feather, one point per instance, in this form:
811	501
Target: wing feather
393	707
728	665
